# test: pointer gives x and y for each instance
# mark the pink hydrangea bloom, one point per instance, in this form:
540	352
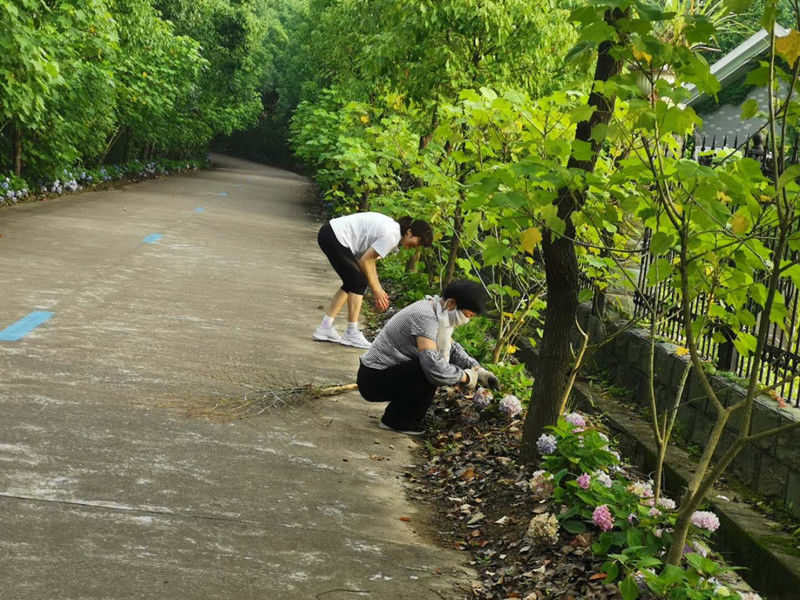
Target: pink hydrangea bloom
667	503
705	520
575	419
602	517
584	481
510	405
654	512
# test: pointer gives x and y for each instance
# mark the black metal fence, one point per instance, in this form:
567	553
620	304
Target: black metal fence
781	353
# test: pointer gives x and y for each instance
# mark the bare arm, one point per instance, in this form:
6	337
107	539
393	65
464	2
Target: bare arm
367	265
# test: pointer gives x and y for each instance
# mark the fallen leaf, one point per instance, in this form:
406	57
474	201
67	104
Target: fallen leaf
406	519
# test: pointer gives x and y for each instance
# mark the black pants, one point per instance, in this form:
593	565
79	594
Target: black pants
342	260
404	387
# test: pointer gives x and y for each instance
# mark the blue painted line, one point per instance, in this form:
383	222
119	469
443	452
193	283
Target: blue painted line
223	194
17	331
153	238
199	209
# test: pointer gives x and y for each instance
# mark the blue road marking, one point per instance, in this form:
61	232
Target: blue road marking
17	331
153	238
199	209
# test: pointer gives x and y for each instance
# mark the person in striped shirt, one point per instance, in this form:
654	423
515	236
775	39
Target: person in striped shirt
415	353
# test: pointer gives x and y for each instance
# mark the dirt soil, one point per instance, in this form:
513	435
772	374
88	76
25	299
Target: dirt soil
469	476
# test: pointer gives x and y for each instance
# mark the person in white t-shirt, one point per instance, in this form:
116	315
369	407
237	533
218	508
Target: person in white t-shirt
353	244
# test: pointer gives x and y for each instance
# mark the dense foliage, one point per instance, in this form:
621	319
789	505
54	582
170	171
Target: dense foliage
100	81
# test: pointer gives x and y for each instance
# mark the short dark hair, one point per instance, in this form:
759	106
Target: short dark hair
419	228
468	295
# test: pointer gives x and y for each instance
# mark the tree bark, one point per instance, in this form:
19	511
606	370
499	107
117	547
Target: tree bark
454	245
561	269
17	149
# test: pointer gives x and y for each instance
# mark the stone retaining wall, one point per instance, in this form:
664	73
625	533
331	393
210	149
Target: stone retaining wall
771	466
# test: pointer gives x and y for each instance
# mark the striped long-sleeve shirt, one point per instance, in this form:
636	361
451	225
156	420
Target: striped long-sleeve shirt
397	344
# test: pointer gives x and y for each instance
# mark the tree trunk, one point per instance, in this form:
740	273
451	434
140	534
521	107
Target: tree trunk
126	152
455	244
561	269
17	149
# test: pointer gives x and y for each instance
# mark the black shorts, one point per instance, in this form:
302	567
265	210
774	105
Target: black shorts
342	260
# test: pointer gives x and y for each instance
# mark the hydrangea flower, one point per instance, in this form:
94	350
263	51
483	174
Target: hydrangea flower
705	520
603	478
584	481
654	512
667	503
4	185
543	529
641	489
510	405
541	484
546	444
575	419
602	517
482	398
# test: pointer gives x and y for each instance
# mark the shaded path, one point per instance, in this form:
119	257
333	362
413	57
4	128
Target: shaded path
108	488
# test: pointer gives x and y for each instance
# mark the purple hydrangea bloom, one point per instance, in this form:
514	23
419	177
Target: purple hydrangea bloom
510	405
482	398
546	444
575	419
584	481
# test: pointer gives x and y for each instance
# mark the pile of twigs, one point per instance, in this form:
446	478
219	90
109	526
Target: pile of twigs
259	400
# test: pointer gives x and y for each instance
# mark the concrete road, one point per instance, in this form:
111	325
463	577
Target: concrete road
111	485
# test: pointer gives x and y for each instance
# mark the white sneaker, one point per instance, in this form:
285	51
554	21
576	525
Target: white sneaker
327	334
355	339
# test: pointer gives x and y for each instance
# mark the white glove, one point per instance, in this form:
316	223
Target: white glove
472	380
487	378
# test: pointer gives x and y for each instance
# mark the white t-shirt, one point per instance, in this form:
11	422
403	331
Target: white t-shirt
362	231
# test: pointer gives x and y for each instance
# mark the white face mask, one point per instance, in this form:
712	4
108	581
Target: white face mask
456	318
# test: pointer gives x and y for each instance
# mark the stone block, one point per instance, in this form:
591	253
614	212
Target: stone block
694	392
792	498
664	363
772	478
765	417
746	465
701	428
787	446
637	346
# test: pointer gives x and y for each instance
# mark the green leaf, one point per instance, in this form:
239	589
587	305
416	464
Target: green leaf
611	570
790	174
660	270
573	526
738	6
661	242
759	76
629	589
749	109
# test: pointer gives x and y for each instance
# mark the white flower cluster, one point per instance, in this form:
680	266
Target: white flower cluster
543	529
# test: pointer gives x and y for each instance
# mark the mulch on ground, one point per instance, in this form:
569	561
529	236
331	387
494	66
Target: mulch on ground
471	478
